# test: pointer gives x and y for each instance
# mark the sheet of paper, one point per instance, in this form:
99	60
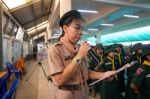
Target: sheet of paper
117	71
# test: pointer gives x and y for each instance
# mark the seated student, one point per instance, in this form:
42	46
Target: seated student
141	82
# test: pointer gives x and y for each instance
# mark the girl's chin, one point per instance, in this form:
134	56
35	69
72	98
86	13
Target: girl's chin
75	41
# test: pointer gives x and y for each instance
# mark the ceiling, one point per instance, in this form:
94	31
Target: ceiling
31	14
112	11
35	12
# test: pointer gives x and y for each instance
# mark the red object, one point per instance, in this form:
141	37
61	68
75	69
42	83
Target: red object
139	71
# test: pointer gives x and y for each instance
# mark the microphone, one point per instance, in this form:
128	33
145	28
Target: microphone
92	53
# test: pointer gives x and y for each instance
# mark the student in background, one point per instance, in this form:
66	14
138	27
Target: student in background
109	87
130	94
141	82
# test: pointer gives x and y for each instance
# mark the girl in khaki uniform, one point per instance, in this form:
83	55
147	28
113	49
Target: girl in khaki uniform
67	61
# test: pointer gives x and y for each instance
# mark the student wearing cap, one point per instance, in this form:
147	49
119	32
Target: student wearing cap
141	82
92	64
109	87
68	63
100	56
98	53
120	54
122	60
92	61
130	94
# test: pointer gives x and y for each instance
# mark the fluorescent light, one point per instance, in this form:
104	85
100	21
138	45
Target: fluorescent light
39	25
88	11
92	29
40	35
45	22
37	29
57	34
84	33
54	37
131	16
107	24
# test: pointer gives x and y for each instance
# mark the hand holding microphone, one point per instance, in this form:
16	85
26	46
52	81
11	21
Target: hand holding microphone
83	50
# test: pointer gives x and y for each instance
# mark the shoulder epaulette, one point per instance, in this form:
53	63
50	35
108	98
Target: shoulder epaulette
58	43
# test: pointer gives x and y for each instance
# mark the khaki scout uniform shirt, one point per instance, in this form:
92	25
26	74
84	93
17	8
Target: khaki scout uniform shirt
59	58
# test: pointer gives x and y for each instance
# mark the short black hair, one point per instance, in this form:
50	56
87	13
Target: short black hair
68	17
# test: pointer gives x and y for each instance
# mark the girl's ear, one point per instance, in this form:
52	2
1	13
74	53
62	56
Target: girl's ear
65	28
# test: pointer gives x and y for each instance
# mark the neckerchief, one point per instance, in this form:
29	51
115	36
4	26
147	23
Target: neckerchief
147	63
119	56
113	66
139	58
101	57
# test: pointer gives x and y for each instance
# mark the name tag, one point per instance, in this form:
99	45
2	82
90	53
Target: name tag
148	75
108	63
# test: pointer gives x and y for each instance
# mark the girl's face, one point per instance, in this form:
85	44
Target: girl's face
148	57
111	54
139	51
99	51
118	49
73	31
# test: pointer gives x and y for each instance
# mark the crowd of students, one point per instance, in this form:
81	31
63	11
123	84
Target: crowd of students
129	84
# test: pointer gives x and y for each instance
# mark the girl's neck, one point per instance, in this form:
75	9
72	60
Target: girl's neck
66	40
70	46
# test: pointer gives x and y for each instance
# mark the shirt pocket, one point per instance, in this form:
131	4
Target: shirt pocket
67	59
